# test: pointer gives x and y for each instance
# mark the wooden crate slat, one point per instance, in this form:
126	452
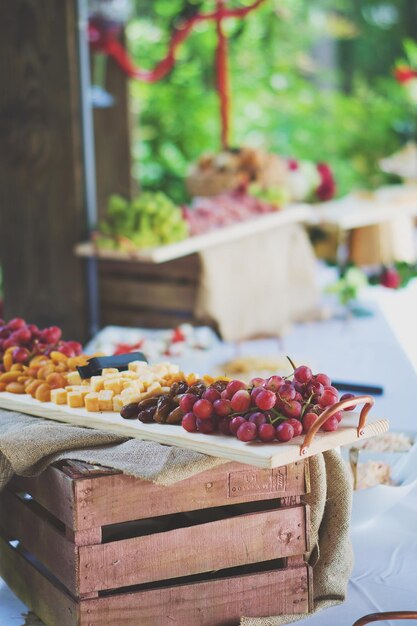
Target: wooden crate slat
53	490
214	603
118	498
50	603
134	292
183	269
39	537
141	318
221	544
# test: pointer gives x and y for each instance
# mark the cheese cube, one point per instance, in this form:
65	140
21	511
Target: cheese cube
115	384
131	395
155	388
134	366
84	390
97	383
92	402
75	399
129	374
117	403
147	379
59	396
105	400
108	371
73	378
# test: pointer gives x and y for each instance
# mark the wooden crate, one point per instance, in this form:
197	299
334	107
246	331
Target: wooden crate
148	295
82	546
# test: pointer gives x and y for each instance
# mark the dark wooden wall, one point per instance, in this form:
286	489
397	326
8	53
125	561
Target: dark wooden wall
112	129
42	212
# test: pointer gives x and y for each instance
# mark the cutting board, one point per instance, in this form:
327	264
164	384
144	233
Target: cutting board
259	454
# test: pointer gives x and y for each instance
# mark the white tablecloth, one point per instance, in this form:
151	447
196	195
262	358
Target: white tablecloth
358	350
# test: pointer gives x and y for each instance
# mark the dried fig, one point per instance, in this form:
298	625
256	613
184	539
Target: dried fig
130	411
163	409
146	416
175	416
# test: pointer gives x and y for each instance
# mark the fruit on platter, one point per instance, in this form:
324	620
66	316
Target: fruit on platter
206	214
22	341
272	409
41	375
149	220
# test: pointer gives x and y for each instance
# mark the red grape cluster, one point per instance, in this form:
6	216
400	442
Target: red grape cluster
275	408
28	341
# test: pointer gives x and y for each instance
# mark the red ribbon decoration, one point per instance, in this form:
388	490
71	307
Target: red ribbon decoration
106	42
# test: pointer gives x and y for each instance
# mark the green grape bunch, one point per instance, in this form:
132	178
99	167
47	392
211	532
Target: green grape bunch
149	220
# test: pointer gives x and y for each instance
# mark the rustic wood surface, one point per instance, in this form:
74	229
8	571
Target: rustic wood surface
42	208
125	292
53	490
149	295
192	550
50	603
217	603
184	269
119	498
212	603
112	135
200	541
259	454
26	523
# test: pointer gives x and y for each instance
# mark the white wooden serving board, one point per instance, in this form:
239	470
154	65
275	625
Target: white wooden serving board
367	209
259	454
161	254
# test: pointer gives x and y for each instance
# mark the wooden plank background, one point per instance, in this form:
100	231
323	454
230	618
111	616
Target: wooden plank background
42	212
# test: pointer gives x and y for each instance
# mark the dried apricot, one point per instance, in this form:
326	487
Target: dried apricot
15	388
58	356
7	361
61	367
38	360
9	377
56	381
17	367
44	371
31	389
43	393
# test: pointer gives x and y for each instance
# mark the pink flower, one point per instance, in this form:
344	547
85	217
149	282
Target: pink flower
390	278
327	188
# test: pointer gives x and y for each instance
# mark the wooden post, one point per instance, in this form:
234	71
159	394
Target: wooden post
112	133
42	213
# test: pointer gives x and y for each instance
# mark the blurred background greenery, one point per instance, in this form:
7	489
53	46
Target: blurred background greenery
310	79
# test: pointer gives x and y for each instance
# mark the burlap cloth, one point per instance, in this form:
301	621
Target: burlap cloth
29	444
275	268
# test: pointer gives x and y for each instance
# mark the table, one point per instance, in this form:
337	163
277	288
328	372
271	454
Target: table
358	349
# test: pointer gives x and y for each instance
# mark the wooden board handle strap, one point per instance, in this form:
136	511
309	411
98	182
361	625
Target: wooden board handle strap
368	403
379	617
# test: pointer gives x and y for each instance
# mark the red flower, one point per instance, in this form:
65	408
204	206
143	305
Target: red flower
292	164
327	188
390	278
404	73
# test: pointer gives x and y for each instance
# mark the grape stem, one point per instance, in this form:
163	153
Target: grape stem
306	405
293	365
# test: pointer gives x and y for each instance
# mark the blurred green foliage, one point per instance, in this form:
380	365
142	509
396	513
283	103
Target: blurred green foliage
310	79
